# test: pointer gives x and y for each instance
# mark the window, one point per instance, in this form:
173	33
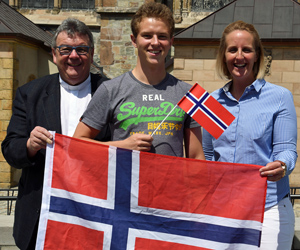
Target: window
37	4
78	4
208	5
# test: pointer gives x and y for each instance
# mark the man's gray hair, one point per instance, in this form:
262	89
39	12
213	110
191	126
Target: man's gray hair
73	26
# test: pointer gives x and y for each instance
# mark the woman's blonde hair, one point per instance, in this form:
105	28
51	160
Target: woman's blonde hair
259	65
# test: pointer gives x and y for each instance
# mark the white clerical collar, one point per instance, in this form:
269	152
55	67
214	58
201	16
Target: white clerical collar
79	87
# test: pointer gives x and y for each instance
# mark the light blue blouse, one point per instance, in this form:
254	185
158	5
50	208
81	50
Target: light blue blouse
264	130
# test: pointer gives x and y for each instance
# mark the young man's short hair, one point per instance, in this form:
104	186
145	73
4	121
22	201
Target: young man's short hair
155	10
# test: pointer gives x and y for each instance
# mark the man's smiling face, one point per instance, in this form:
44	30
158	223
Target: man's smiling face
73	68
153	42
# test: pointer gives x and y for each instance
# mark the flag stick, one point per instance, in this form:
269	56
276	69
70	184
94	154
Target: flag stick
163	120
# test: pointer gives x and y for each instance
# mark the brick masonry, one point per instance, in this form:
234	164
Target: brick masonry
6	90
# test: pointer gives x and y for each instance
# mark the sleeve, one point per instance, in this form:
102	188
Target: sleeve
285	132
97	112
14	145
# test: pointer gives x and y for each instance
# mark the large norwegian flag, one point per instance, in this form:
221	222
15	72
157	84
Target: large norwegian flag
206	110
100	197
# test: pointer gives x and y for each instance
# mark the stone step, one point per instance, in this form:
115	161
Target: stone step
296	242
6	229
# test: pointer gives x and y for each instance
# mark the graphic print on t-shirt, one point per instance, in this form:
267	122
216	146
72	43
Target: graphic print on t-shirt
132	115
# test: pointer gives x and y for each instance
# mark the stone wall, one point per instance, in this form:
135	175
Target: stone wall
116	51
197	64
6	95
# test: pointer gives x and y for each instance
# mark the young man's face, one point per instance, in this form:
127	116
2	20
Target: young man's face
153	42
73	68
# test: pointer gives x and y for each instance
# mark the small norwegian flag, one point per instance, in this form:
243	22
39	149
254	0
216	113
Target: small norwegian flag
206	110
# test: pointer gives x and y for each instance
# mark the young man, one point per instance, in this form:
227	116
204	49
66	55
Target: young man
134	103
54	102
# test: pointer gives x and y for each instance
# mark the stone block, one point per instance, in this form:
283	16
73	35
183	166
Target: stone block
291	54
297	110
6	83
5	114
183	52
209	64
2	135
294	179
4	125
5	185
184	75
6	94
126	66
193	64
274	77
291	77
179	63
6	104
133	5
6	73
7	63
296	100
6	50
296	241
296	88
205	53
111	33
282	65
116	50
9	248
297	66
4	166
5	177
203	75
104	22
6	230
106	55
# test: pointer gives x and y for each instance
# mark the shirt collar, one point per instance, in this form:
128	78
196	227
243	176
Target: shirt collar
78	87
257	85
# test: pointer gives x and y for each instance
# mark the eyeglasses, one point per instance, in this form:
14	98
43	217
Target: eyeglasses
67	50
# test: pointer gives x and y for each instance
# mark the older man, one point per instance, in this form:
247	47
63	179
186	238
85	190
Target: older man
54	102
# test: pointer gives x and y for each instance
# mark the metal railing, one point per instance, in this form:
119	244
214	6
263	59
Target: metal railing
294	194
10	197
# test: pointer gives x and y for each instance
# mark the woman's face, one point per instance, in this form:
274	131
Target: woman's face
240	55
